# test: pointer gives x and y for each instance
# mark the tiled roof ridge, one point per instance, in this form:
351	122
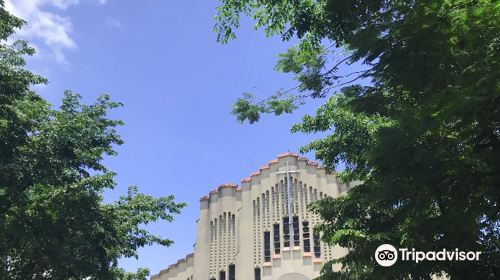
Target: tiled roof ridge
222	186
258	172
274	161
172	266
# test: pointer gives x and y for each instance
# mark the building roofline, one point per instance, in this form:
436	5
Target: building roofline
220	187
172	266
276	160
259	172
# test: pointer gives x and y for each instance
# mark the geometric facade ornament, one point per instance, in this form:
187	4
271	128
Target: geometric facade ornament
262	230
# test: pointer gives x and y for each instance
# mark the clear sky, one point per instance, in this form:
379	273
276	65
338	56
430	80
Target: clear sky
161	59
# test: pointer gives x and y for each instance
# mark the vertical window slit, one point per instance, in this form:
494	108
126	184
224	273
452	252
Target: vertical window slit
257	273
286	232
232	272
296	233
267	246
306	236
317	245
277	241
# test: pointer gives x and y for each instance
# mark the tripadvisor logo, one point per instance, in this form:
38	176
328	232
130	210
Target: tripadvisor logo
388	255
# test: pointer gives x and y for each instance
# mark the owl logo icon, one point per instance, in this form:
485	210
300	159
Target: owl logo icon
386	255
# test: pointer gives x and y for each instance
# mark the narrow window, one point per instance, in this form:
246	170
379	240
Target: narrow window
222	275
232	272
317	247
267	246
257	273
286	232
277	242
305	236
296	236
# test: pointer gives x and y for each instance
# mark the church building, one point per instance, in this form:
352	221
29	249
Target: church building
262	230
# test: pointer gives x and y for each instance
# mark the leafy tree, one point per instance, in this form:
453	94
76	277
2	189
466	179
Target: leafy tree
423	136
53	221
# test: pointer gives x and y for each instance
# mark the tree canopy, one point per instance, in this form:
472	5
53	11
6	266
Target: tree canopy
54	223
423	136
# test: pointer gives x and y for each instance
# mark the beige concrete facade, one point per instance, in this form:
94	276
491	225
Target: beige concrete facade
262	230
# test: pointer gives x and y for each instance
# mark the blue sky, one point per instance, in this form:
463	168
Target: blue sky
161	59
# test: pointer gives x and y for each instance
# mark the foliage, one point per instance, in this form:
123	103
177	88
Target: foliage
53	221
423	137
141	274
